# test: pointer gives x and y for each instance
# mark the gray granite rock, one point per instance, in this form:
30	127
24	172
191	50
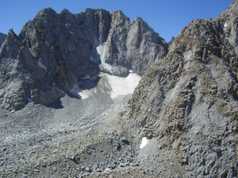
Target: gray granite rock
185	108
133	45
188	104
55	51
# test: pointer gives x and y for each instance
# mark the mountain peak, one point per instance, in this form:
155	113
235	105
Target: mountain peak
190	89
112	93
57	50
46	12
65	12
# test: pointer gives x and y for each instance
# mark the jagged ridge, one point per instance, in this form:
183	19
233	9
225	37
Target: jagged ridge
188	103
54	53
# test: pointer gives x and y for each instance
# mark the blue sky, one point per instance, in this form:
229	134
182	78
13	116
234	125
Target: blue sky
167	17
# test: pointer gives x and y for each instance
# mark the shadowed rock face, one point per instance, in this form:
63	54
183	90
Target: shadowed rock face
188	103
2	38
54	52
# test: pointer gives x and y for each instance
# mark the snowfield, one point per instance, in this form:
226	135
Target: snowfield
144	142
101	52
122	85
119	85
84	94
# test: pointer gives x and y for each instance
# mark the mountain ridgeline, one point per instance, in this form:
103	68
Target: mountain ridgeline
181	120
54	52
188	102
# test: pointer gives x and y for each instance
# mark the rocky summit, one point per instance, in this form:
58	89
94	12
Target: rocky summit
95	94
55	52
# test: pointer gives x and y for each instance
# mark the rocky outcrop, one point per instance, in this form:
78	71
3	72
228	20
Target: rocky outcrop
133	45
187	104
55	52
12	85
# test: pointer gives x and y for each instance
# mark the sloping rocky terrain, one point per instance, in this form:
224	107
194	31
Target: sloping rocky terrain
69	109
187	104
62	80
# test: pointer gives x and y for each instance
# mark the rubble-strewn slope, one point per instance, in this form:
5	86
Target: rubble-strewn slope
182	120
188	103
63	81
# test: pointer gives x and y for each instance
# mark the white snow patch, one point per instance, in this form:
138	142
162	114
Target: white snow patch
41	65
119	85
123	85
225	26
144	142
84	94
101	50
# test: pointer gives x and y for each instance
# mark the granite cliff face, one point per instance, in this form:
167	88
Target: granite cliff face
68	78
188	104
133	45
55	52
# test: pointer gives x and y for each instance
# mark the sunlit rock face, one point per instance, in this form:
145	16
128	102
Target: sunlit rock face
188	103
55	53
132	44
